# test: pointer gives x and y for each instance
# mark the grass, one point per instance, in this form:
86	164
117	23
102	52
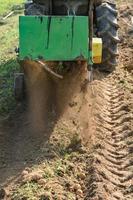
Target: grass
8	62
27	191
7	5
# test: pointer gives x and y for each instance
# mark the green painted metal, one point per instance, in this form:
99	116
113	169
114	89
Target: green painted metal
55	38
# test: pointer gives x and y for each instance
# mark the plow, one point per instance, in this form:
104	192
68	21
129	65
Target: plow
66	32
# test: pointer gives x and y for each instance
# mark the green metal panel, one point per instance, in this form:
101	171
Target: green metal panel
53	38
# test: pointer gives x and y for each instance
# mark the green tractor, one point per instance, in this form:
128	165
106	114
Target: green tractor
68	31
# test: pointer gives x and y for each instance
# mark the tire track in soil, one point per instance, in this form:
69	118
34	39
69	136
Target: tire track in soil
112	166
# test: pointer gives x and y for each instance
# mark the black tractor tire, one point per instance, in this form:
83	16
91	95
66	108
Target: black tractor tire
35	9
19	88
107	29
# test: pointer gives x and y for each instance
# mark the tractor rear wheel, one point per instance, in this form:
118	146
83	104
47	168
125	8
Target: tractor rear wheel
107	29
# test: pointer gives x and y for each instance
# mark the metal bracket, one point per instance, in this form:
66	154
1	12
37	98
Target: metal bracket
47	69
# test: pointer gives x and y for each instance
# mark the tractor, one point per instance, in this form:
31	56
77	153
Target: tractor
64	31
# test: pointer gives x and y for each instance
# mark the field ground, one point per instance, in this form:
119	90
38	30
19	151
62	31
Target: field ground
7	6
69	142
8	63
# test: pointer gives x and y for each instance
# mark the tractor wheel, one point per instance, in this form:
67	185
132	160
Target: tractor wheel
107	29
36	8
19	86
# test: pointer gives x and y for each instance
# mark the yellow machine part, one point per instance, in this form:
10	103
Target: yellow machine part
97	50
